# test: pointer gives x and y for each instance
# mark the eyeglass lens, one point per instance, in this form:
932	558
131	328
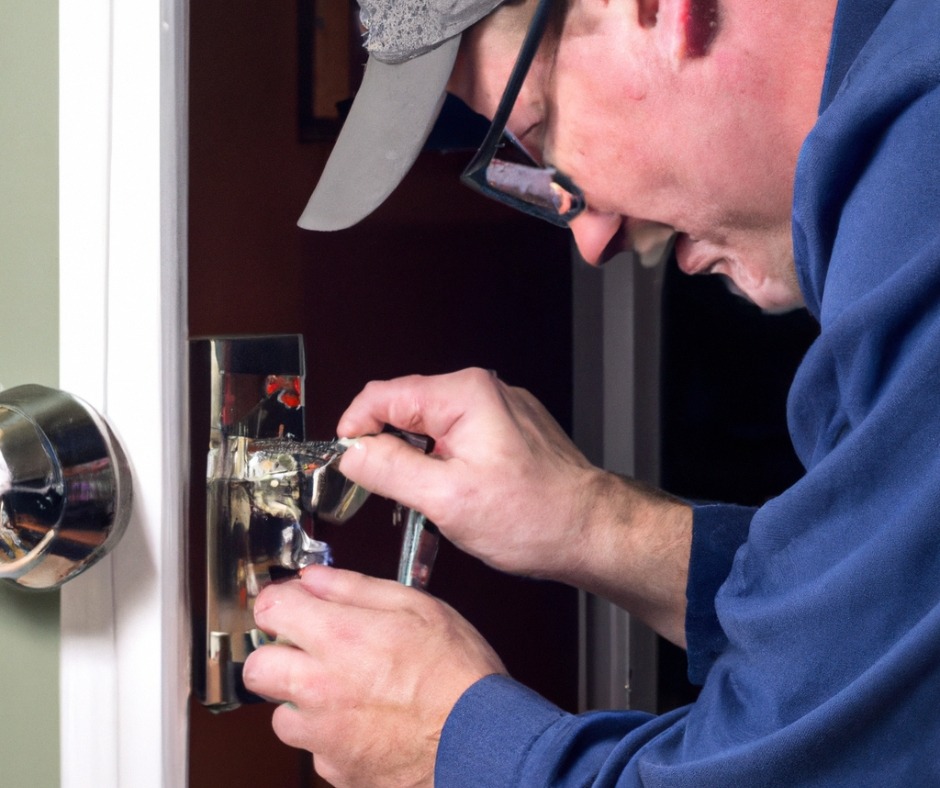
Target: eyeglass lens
503	169
512	172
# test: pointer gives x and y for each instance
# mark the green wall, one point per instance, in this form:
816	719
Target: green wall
29	353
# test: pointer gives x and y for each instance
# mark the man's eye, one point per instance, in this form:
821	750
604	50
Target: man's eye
511	151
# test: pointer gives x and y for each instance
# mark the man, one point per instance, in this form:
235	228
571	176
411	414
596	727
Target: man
814	622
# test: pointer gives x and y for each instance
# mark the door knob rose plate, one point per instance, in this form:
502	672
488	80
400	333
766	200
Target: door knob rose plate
65	487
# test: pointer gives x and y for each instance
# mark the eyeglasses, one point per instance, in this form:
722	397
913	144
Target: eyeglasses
503	170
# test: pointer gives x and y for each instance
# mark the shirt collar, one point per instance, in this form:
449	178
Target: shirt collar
854	24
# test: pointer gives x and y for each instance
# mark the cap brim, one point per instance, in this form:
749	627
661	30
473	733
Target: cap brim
389	121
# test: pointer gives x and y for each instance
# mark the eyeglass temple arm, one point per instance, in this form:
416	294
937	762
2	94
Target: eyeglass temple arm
526	55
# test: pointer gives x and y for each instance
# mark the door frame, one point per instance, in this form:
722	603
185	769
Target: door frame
617	343
124	664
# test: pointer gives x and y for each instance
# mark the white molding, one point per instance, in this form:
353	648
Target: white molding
123	669
616	393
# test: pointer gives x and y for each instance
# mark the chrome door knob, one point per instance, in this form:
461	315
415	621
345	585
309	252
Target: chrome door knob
65	487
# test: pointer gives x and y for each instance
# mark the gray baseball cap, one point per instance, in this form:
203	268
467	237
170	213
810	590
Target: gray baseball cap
412	46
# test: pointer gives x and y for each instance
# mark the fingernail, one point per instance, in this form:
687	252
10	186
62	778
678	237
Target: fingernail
349	444
265	601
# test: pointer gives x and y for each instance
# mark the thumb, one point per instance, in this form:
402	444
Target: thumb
390	467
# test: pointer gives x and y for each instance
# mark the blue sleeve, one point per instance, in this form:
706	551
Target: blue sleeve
502	734
718	530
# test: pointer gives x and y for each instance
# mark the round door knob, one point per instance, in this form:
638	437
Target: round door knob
65	487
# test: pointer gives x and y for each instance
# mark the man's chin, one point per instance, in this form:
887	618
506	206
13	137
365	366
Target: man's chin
772	299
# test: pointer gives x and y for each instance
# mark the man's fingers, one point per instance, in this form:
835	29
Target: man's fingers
355	590
289	612
390	467
427	405
328	606
281	673
288	676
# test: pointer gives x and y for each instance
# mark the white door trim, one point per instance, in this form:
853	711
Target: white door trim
124	647
616	318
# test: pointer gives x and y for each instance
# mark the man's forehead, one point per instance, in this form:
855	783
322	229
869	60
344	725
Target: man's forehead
399	30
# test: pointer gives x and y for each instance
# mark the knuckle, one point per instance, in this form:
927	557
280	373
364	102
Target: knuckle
410	416
373	386
440	501
462	486
308	692
345	634
477	376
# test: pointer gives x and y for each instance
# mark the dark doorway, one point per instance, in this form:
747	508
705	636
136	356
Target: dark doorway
436	280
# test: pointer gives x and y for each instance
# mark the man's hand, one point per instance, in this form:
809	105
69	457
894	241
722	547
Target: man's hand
367	671
507	485
504	483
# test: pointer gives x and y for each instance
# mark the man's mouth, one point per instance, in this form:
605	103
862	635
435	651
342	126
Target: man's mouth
652	242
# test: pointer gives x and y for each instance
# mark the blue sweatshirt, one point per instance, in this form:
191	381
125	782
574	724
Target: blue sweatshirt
813	622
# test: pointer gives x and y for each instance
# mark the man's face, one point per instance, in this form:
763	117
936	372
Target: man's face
659	129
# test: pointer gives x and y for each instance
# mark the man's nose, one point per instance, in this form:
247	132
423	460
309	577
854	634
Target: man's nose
599	236
602	236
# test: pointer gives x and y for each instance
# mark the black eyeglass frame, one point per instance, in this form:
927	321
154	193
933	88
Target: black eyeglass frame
475	174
